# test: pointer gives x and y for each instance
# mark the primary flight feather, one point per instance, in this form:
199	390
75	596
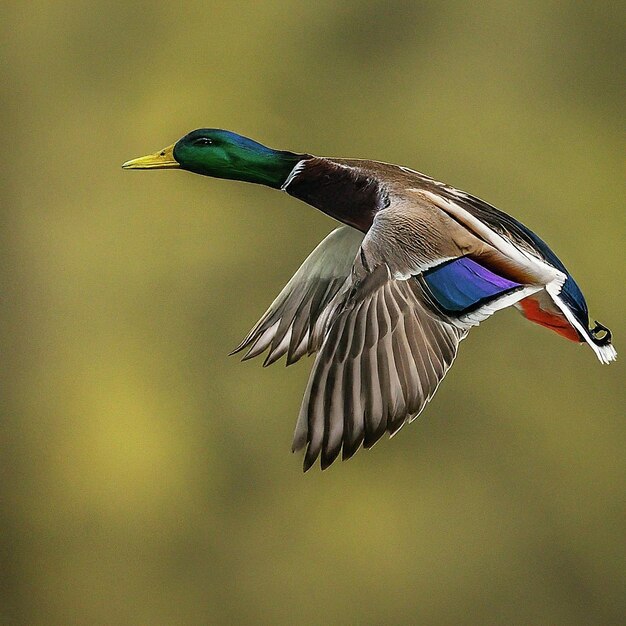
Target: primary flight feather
385	300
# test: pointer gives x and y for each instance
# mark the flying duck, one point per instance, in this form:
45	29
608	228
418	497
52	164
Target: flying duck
385	299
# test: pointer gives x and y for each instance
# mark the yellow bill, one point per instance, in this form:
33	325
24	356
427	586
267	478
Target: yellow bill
159	160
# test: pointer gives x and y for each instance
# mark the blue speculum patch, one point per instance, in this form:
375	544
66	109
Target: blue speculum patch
463	285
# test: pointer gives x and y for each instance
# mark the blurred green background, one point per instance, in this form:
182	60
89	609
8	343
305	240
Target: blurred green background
146	476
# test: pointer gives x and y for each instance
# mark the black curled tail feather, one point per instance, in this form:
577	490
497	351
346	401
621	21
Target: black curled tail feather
600	334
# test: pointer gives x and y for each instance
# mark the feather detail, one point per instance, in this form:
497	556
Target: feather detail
289	325
605	352
381	361
462	285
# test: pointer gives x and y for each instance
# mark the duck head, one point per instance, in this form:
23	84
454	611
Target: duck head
223	154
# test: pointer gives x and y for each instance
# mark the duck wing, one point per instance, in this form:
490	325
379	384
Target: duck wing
383	356
288	325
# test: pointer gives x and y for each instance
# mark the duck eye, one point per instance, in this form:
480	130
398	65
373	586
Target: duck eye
203	141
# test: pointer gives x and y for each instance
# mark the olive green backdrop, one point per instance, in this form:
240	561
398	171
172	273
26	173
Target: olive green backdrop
146	477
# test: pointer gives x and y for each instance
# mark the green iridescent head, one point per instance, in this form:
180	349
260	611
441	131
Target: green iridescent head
223	154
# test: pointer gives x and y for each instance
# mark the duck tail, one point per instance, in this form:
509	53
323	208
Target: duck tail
601	337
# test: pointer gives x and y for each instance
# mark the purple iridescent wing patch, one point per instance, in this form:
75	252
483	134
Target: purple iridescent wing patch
463	285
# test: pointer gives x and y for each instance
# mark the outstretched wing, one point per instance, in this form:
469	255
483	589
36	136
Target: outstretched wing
382	359
288	326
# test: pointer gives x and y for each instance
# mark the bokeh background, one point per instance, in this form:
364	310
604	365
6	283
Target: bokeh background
146	477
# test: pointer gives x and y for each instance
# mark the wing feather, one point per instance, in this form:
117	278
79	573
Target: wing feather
288	326
382	359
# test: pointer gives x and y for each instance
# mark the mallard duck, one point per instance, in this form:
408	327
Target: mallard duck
385	299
